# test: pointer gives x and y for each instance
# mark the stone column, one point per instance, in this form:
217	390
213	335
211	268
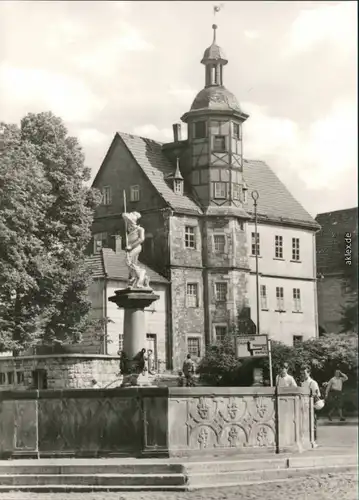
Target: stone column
134	302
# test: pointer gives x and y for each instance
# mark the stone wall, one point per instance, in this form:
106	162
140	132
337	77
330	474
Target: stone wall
62	371
333	295
154	421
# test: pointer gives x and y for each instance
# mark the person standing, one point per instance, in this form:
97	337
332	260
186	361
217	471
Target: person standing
310	385
334	394
188	371
283	379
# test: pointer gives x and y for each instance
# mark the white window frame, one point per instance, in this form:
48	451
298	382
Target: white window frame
194	337
297	303
236	191
191	296
106	195
255	244
220	250
279	293
190	236
263	297
220	191
278	246
237	125
219	325
178	186
217	287
98	239
135	195
295	249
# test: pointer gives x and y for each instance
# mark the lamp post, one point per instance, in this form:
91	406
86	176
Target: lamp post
255	197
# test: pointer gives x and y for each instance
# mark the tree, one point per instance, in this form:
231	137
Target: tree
349	319
45	223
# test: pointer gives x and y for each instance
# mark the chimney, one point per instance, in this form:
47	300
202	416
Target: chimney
118	243
177	136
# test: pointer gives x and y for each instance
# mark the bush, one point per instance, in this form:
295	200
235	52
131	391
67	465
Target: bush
324	355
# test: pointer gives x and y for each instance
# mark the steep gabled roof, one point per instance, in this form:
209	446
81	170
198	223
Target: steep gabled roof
275	201
157	168
112	265
330	240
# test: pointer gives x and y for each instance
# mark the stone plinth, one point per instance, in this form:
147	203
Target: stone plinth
155	422
134	302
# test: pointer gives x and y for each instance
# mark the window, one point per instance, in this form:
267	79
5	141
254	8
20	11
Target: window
10	378
100	241
39	379
151	339
20	377
237	130
220	190
245	195
2	378
221	292
296	300
106	195
219	143
199	130
279	247
219	243
280	298
192	295
255	244
297	339
236	191
194	346
295	249
264	304
221	332
189	237
178	186
135	193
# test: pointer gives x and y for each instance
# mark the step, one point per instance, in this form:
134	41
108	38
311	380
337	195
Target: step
104	480
102	468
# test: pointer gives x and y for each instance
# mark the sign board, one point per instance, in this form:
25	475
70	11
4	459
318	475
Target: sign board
252	346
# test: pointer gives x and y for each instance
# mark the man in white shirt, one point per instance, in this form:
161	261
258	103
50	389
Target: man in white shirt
312	387
284	379
334	392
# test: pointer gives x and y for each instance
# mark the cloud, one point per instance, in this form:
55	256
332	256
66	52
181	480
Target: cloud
251	34
107	56
37	90
152	132
184	95
334	24
319	156
92	137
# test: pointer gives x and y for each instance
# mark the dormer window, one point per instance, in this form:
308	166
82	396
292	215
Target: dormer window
178	186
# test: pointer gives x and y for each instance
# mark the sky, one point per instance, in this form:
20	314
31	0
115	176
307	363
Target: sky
135	67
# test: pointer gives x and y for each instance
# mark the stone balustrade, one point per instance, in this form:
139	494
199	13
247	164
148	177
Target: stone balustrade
154	421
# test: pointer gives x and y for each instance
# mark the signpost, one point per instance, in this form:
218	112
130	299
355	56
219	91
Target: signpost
255	346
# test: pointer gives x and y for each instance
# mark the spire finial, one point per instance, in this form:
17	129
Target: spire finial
214	27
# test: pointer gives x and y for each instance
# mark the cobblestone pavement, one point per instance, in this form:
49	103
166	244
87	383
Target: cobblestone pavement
343	486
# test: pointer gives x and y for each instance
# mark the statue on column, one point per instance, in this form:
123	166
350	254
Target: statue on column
135	236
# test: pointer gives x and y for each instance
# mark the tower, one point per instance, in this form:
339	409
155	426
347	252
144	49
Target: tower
215	138
215	172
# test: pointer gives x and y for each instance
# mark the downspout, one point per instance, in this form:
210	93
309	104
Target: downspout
169	302
316	318
105	349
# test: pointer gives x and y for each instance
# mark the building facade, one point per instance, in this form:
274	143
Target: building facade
194	196
337	261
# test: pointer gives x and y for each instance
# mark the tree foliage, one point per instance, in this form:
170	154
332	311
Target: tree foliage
349	315
324	355
46	214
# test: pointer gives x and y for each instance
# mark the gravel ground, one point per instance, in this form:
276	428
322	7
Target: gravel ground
326	487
